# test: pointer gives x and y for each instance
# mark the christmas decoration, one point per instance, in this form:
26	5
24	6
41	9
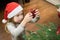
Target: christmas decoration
45	32
34	14
33	11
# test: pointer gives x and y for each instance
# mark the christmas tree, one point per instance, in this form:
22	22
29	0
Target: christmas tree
45	32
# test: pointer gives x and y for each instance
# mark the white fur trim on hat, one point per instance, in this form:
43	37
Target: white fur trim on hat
15	11
58	10
4	21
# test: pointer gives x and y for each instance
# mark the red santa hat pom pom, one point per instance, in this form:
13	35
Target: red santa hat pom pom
4	21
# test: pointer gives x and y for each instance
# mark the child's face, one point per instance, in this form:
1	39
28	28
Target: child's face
18	18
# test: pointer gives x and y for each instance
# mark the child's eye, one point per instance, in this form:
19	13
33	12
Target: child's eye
17	15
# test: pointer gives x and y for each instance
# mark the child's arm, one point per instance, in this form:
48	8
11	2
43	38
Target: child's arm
16	31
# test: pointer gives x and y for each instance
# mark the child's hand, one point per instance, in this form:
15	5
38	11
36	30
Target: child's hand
37	16
37	12
28	17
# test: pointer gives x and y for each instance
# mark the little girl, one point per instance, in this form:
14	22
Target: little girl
13	18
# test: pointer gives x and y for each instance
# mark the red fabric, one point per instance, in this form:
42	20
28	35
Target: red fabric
59	14
10	7
58	30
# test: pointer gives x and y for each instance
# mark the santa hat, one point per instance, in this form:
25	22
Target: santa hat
11	10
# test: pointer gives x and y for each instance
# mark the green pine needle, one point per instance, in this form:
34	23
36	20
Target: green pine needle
45	32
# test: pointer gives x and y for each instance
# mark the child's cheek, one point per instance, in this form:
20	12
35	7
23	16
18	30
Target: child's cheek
20	17
16	19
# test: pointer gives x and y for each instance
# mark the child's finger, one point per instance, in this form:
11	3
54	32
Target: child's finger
36	13
36	10
31	16
29	13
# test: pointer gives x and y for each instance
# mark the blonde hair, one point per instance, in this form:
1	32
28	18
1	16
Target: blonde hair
9	20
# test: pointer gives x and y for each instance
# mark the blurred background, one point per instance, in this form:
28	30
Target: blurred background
48	13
